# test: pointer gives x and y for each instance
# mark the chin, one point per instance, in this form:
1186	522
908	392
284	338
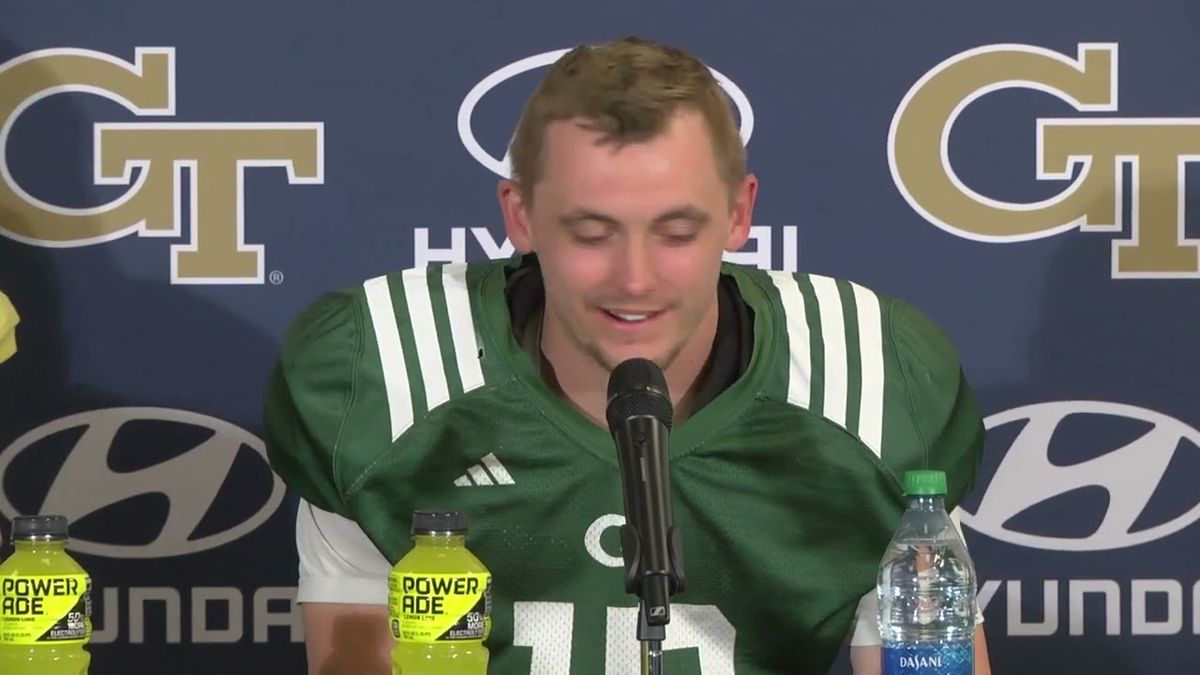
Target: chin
611	358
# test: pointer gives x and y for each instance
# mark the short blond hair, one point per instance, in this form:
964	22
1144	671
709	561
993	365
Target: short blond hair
627	90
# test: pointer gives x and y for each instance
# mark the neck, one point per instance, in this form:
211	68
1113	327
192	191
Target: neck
583	382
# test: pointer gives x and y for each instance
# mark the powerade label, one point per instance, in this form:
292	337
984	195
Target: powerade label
54	608
440	607
955	658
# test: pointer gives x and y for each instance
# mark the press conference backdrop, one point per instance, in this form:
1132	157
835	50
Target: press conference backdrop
177	180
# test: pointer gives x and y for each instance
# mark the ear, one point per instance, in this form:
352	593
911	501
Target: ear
741	213
517	224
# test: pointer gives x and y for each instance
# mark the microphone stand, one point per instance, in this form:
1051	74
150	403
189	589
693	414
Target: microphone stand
651	629
651	638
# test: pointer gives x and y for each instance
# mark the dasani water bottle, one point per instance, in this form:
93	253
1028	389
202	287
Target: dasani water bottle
926	587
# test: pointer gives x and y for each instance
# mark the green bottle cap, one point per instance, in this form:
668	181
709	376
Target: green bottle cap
925	482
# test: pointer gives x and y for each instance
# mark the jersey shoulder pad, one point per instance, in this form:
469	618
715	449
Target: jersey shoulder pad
879	368
361	367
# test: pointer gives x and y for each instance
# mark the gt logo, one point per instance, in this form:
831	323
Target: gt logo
216	154
1157	149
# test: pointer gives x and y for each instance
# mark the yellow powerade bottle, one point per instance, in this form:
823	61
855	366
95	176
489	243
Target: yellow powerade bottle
439	601
45	602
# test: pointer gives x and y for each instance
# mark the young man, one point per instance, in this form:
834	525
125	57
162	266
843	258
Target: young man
799	401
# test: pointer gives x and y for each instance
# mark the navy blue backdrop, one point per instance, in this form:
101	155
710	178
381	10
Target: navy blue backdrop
177	180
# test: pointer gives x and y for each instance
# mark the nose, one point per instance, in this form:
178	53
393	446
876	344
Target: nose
634	270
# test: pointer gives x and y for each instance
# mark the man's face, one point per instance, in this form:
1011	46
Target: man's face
630	240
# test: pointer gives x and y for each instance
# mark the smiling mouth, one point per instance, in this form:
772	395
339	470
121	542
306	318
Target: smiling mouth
631	318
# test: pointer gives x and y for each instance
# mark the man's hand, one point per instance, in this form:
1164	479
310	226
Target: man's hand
868	661
347	639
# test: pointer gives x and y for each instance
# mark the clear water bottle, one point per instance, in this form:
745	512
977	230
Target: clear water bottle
926	587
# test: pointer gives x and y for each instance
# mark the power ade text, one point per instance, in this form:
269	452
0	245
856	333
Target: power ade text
426	595
23	597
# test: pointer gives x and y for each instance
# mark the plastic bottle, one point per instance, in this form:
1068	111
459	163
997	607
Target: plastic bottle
45	602
439	601
926	587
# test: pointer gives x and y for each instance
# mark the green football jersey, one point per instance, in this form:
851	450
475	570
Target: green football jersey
410	391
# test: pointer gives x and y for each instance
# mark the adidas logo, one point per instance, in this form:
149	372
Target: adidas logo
493	474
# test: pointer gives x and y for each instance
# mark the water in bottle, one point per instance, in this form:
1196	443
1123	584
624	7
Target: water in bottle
926	587
45	602
439	601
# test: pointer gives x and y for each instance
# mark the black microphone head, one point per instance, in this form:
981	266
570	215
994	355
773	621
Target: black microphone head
637	387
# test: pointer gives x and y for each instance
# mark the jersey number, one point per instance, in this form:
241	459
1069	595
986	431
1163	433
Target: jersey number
546	628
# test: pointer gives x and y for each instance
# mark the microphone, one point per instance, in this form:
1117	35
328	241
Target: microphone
639	417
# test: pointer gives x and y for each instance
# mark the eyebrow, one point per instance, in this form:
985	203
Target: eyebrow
685	212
